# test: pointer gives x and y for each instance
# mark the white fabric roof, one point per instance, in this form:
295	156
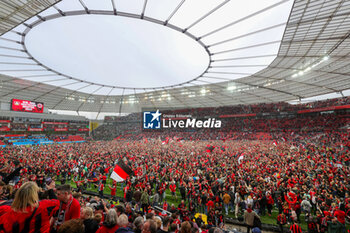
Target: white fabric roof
312	58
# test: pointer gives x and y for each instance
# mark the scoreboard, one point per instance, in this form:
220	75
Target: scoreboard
26	106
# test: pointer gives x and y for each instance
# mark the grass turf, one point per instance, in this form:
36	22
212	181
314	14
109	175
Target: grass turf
171	200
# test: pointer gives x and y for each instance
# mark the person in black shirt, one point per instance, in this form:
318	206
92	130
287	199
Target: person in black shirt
173	209
204	198
182	208
183	192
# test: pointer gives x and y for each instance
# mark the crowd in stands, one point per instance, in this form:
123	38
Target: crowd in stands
130	126
211	177
276	128
18	127
328	103
67	138
297	166
242	109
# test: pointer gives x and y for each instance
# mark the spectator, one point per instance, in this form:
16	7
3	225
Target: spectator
69	207
149	226
281	220
110	224
123	224
27	213
166	225
306	206
249	216
185	227
87	215
138	223
72	226
295	228
145	200
226	199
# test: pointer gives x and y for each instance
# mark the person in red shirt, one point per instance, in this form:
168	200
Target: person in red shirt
270	203
281	220
295	228
113	189
69	207
27	213
127	187
165	205
173	189
101	187
104	179
339	213
210	205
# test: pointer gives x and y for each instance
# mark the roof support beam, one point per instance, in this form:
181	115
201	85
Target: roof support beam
207	14
259	86
102	104
71	93
55	89
247	34
114	7
173	13
245	18
83	103
85	7
143	9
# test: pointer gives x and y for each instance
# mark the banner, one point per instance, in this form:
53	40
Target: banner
54	123
35	129
237	115
61	129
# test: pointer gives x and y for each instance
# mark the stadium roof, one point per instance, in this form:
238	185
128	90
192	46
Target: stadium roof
312	58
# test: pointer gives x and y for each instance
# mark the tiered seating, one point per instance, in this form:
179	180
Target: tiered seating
260	119
69	139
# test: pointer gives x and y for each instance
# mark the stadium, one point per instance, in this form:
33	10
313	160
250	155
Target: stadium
182	116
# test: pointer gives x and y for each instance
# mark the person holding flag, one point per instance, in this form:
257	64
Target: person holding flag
113	189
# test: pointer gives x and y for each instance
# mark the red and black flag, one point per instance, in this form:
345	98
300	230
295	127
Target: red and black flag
121	171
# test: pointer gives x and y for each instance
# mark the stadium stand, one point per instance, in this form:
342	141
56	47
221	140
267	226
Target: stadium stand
270	166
